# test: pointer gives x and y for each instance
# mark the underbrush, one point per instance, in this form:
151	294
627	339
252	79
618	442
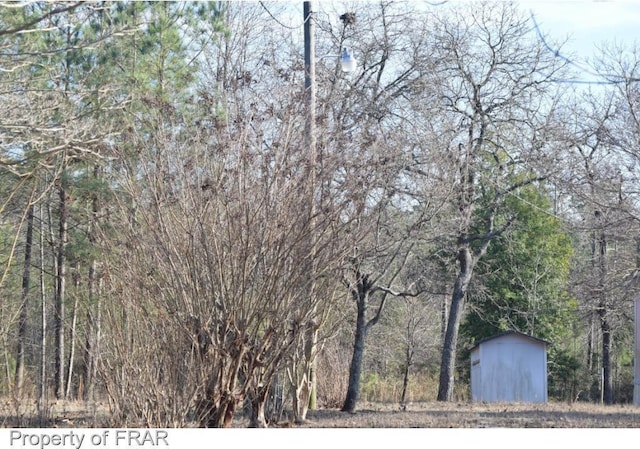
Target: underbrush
377	389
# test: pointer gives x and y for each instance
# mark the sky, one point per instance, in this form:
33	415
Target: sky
587	24
588	21
583	24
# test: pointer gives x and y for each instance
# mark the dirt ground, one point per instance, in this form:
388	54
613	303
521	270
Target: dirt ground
376	415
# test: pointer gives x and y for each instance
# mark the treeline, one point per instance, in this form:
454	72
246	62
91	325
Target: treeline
176	241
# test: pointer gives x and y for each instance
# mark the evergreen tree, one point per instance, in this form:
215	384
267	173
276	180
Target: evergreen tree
524	275
523	282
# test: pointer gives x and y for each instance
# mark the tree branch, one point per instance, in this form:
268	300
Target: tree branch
27	25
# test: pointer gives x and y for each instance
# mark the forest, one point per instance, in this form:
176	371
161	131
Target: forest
202	215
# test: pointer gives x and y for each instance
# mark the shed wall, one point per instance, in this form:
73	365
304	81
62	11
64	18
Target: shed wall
511	368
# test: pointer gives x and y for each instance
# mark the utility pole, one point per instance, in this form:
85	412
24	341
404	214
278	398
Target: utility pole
311	338
310	83
348	64
636	359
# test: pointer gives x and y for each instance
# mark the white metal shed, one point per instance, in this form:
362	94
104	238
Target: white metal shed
509	367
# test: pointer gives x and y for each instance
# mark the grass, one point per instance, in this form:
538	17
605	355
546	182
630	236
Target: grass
429	414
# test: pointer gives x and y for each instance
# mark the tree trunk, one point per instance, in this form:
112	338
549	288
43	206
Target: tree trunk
308	389
449	349
42	387
22	320
258	417
218	406
313	376
88	360
302	372
221	414
355	369
300	401
607	381
93	319
92	338
405	379
444	316
590	346
223	393
258	401
72	339
60	297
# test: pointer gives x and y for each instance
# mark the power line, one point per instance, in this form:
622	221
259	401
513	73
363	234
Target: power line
606	79
515	195
279	22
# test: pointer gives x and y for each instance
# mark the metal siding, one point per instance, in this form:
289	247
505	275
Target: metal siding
513	370
476	374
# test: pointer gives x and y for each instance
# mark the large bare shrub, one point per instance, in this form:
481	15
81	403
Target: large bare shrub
212	271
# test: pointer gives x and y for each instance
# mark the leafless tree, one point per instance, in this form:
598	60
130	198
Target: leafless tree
601	187
493	117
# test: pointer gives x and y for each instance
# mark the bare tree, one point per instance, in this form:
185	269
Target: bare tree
50	119
362	286
601	185
60	294
494	85
94	306
24	303
213	264
220	249
415	314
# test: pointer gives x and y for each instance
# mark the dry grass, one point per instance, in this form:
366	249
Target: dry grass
26	413
474	415
370	415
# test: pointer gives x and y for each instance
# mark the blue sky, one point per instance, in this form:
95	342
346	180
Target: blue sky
583	24
586	26
587	23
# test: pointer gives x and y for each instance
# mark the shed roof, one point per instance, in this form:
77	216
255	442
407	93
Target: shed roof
530	337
